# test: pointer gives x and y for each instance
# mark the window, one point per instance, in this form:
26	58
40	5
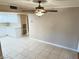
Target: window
9	23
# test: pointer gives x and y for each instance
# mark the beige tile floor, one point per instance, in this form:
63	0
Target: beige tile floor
25	48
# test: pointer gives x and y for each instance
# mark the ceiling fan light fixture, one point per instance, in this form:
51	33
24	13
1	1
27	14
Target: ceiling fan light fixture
40	11
39	14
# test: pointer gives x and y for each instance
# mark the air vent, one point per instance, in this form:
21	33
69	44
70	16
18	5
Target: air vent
13	7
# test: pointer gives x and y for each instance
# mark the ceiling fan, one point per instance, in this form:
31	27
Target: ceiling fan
39	11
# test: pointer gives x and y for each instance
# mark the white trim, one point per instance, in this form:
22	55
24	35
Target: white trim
74	50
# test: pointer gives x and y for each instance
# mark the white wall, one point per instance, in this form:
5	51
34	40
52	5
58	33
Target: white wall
58	28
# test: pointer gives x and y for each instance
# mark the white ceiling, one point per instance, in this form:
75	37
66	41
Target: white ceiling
29	4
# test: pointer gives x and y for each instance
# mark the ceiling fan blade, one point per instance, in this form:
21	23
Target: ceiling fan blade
52	10
28	11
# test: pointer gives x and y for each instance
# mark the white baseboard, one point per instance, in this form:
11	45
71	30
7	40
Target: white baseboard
74	50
